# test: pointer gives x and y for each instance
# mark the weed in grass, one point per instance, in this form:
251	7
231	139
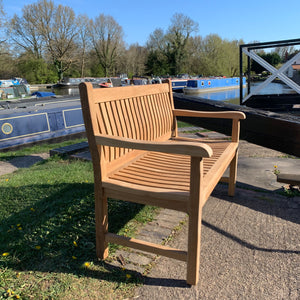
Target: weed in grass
47	234
290	191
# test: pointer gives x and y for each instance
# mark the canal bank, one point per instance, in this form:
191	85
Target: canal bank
276	131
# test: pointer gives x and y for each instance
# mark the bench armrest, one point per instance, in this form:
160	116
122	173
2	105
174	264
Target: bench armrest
237	115
186	148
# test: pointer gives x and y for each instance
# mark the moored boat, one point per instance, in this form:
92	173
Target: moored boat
195	86
14	88
178	84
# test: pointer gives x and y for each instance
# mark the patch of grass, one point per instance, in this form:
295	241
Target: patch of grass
39	148
182	124
47	235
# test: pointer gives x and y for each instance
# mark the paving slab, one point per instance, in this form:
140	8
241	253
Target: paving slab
21	162
258	172
250	249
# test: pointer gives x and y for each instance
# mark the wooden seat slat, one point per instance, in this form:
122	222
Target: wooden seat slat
149	170
151	183
140	158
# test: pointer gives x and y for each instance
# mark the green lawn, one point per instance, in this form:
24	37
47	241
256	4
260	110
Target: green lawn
38	148
47	235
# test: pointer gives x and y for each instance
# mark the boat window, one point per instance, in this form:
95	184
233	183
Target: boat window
202	83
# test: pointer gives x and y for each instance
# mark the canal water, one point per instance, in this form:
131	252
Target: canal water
233	95
230	96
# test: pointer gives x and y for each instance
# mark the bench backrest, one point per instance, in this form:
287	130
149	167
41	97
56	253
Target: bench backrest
140	112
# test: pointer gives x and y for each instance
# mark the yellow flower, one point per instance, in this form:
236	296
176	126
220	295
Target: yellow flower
75	244
128	276
18	225
17	296
37	247
74	257
18	274
32	209
6	179
5	254
20	228
87	264
275	167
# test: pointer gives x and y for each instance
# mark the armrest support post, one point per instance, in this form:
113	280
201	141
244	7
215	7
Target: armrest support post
236	116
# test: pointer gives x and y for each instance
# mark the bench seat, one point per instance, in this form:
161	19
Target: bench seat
163	173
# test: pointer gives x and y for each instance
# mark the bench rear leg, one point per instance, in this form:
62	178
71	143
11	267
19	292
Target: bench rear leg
101	218
232	175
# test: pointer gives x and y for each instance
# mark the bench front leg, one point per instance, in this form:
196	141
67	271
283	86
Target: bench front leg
101	219
195	216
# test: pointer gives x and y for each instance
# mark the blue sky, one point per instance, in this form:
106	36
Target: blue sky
263	20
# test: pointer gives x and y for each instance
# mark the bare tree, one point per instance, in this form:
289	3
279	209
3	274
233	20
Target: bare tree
107	40
157	41
83	40
136	57
2	15
25	33
58	28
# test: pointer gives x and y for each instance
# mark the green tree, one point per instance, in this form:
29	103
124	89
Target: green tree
213	56
36	69
157	63
168	53
272	58
177	39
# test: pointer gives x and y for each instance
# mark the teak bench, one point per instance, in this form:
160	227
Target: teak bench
138	156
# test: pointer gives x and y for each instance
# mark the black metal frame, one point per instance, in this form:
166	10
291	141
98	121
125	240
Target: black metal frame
255	46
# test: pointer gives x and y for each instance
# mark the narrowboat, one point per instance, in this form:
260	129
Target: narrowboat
195	86
178	84
33	120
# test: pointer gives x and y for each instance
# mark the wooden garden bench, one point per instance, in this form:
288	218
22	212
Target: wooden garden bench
138	156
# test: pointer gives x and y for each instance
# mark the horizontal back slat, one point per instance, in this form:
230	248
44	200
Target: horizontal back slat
111	94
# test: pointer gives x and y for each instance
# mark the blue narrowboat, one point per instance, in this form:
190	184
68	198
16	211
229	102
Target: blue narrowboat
34	120
195	86
178	84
